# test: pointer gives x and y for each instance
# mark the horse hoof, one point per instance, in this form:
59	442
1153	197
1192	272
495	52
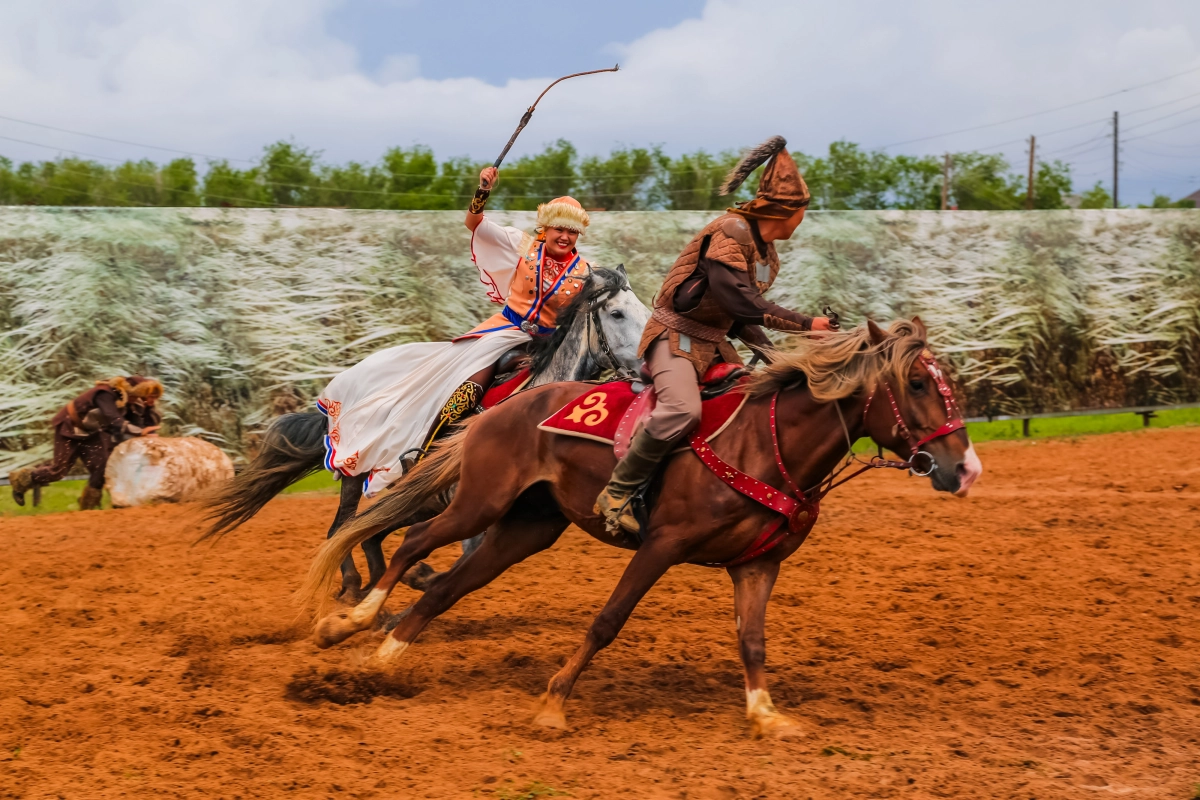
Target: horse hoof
775	726
334	629
390	650
550	713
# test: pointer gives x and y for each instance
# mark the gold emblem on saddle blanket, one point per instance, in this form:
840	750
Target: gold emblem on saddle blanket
591	411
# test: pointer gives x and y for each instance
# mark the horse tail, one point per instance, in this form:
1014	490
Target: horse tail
294	447
422	489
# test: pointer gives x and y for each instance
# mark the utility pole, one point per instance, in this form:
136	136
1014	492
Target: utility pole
1029	194
1116	162
946	183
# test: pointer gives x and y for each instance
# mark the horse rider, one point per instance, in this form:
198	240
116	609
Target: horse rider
382	408
88	428
713	291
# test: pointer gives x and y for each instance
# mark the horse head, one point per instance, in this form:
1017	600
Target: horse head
598	330
911	409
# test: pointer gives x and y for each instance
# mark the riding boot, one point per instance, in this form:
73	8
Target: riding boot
90	499
637	467
21	481
466	399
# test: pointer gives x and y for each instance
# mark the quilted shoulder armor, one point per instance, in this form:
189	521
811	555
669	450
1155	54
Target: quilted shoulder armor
731	243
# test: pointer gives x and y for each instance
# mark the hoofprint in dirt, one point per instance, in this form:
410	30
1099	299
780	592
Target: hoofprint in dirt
1036	640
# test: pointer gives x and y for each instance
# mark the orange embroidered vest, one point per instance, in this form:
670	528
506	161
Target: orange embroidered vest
536	295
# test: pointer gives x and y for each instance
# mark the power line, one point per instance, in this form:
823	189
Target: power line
1040	113
1160	105
1165	116
120	141
1164	130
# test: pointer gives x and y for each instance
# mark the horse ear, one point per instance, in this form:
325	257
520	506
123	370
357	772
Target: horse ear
878	334
621	269
920	326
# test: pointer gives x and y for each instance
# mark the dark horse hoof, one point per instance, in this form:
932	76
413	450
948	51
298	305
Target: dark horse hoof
418	576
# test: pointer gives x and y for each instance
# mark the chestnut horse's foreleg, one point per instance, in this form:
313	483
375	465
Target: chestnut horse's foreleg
752	584
512	540
458	522
649	563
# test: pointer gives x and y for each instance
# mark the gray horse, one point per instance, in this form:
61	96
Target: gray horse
599	330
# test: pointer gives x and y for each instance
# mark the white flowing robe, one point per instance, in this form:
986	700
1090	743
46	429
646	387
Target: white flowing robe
385	405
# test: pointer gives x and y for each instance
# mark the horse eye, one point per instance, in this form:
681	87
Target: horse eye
916	384
617	314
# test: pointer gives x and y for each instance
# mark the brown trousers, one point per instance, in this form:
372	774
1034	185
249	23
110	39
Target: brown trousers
678	406
92	451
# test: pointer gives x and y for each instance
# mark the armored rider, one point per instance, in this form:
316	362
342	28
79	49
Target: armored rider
713	291
88	428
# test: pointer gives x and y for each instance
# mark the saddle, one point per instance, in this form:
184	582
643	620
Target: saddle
612	412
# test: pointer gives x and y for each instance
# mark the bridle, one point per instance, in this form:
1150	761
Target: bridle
919	462
593	321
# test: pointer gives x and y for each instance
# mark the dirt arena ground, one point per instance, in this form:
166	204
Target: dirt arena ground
1037	640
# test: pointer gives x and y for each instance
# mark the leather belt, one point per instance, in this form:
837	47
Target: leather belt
694	329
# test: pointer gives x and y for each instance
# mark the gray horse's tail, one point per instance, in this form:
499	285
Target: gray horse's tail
294	447
421	490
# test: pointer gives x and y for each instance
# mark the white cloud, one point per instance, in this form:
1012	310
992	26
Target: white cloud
226	77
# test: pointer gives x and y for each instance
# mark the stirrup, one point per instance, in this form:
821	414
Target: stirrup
464	401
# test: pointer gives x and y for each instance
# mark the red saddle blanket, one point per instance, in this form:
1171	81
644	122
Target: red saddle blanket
611	413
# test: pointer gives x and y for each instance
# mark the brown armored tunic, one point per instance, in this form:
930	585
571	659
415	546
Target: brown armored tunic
716	284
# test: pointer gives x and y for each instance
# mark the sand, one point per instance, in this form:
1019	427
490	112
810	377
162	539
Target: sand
1035	640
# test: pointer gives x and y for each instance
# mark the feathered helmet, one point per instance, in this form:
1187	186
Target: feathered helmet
562	212
781	192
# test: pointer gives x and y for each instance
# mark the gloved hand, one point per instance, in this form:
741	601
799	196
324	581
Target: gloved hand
822	324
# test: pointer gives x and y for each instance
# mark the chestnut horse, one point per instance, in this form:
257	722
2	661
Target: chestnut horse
802	413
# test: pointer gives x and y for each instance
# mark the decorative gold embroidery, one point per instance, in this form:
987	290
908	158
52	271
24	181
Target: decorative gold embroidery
591	411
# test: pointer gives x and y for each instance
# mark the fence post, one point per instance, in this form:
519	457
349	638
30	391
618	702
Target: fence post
1146	417
1025	426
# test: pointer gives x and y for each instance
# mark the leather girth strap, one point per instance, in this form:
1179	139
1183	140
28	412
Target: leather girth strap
799	513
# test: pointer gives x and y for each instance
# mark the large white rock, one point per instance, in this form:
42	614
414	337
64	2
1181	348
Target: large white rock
152	469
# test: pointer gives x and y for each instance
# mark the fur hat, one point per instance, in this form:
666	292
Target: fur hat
781	192
145	388
562	212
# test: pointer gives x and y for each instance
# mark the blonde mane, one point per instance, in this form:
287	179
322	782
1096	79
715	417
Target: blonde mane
837	365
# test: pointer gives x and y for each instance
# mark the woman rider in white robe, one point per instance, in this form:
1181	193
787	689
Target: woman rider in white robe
387	404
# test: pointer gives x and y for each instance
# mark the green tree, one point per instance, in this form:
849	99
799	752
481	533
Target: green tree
850	178
226	186
1051	185
288	173
982	181
179	183
693	181
1162	201
917	182
1096	197
534	179
409	177
620	182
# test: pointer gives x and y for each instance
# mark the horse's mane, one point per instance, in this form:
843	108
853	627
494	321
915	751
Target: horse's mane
836	365
600	286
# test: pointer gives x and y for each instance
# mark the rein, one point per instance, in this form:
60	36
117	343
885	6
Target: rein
800	507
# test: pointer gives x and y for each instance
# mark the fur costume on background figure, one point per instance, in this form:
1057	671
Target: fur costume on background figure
87	428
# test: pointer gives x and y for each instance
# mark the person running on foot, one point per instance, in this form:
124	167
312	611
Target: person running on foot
713	291
85	429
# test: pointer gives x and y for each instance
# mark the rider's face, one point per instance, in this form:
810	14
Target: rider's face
560	241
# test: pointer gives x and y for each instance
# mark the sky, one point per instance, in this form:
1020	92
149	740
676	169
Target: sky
222	78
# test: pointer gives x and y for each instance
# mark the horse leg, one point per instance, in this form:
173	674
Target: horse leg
351	491
456	523
649	563
510	541
752	585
